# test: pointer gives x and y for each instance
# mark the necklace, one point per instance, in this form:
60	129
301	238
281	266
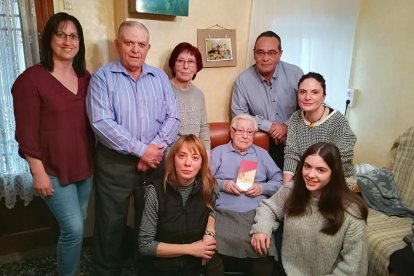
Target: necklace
312	124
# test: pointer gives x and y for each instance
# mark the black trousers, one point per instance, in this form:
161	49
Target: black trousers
277	152
184	271
219	265
402	262
116	179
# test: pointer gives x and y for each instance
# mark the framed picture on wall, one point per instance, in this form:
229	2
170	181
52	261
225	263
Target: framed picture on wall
217	47
162	7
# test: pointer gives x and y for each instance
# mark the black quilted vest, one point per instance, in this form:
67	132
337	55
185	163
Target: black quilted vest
180	225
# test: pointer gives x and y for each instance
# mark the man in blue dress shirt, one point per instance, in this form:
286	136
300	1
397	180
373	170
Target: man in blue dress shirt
267	90
133	112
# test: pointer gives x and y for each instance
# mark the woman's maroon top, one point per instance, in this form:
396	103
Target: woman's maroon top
51	124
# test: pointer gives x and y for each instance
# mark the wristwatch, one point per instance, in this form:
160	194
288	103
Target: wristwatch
210	233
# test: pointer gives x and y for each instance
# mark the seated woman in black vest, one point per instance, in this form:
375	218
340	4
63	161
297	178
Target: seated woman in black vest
177	226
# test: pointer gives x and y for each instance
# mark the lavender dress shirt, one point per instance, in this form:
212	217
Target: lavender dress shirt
225	162
274	102
127	114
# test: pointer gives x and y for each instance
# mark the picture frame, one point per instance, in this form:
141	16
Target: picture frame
218	47
160	7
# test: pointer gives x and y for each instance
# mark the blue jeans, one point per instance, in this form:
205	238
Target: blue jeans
69	205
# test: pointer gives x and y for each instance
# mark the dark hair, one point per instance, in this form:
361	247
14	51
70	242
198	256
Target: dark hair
269	34
316	76
208	181
51	27
185	47
335	197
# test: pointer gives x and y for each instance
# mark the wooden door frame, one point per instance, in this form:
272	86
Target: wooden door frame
44	10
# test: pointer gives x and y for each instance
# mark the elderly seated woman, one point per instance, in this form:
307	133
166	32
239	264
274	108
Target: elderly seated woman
236	204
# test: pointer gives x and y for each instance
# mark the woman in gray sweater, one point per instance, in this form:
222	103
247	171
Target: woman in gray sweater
324	222
314	123
185	62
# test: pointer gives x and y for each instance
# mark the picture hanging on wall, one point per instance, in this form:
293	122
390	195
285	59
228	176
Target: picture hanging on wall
217	46
162	7
218	49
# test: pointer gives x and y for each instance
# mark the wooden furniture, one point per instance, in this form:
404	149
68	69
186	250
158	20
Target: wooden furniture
26	228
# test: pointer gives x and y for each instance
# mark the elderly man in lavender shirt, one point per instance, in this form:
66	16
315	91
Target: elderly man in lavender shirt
236	208
133	112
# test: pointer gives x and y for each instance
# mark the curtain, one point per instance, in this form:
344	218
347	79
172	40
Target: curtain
18	50
316	35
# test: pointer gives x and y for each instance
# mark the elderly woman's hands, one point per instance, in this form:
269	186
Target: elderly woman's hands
231	187
254	190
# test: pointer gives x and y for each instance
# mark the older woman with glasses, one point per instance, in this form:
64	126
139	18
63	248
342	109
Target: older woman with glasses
185	62
237	203
53	132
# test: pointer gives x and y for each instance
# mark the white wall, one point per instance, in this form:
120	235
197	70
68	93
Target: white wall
316	35
382	72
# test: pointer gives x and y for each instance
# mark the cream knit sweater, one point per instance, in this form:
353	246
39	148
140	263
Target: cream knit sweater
306	250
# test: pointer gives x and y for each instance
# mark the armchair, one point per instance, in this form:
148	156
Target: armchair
220	134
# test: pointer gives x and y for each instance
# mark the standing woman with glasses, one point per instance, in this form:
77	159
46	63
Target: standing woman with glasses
53	132
185	62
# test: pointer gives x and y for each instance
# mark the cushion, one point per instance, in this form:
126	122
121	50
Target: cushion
364	168
378	189
402	161
385	235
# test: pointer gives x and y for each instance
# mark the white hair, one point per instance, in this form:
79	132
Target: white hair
132	23
246	117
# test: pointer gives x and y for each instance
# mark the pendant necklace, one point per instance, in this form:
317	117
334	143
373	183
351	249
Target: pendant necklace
312	124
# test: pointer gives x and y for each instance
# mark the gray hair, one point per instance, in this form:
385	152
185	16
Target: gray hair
246	117
132	23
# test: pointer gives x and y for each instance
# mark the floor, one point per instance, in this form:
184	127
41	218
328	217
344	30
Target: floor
43	263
